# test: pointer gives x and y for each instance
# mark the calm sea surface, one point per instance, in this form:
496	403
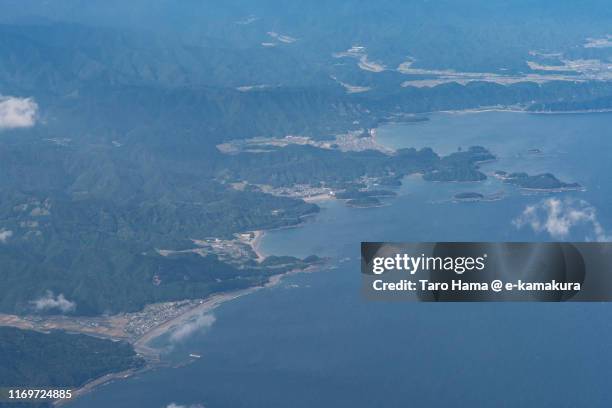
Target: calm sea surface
314	342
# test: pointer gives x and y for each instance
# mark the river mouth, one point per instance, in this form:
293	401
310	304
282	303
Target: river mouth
316	332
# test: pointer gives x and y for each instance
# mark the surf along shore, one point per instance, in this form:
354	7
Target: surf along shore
141	328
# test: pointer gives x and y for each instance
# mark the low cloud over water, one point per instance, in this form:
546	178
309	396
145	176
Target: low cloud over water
17	112
559	218
202	322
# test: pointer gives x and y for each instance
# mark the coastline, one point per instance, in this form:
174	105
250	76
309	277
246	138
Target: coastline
206	305
151	354
256	242
142	347
319	198
114	327
209	304
93	384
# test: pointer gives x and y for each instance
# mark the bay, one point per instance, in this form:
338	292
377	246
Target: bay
313	341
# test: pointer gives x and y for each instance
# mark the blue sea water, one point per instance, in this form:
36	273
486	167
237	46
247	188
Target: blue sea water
313	341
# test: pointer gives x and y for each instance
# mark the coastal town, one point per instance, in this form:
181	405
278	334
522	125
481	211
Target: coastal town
139	328
239	251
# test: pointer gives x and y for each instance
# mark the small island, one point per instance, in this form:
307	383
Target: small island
364	198
353	194
472	196
538	182
468	197
364	202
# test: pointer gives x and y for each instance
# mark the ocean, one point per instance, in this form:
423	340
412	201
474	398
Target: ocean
314	341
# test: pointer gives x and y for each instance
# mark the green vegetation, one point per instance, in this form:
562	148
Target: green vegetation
308	165
134	98
59	360
86	219
544	181
460	166
86	222
358	194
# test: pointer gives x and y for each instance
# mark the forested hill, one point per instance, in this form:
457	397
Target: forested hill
59	359
110	154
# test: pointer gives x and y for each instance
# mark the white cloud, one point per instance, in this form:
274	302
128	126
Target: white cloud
5	235
175	405
202	322
558	218
17	112
52	302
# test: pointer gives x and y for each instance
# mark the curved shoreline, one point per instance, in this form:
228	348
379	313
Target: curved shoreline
141	345
207	305
256	244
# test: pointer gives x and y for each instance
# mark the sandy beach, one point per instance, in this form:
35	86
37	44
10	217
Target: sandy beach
256	244
205	306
